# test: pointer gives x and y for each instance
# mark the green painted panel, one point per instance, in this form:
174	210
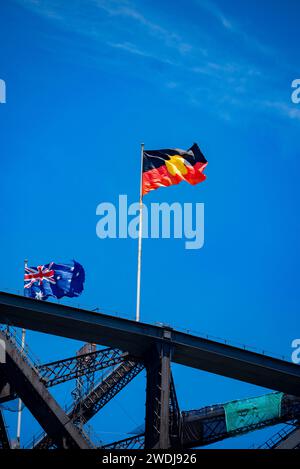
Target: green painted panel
252	411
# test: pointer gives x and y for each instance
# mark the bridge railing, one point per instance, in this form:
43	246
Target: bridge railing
279	436
13	335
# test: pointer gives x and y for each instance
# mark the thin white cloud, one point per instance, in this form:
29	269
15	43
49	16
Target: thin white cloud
215	11
133	49
129	47
284	109
233	27
129	11
200	75
74	14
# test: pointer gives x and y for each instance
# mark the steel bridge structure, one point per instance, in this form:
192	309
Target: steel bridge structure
129	348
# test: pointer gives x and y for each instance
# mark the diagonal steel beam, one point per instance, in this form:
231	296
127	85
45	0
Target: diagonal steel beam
105	391
108	388
38	400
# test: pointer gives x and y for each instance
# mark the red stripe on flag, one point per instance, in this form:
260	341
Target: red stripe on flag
160	177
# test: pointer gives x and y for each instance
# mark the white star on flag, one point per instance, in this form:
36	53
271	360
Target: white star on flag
39	295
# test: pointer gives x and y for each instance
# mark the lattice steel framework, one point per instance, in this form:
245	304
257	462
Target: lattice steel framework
60	371
149	346
98	397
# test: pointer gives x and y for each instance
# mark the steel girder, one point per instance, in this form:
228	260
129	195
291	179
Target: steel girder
48	413
137	338
60	371
109	387
134	442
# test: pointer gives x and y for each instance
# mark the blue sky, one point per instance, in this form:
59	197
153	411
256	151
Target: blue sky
87	81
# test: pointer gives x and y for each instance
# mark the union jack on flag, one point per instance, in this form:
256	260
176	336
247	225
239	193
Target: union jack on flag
38	275
56	280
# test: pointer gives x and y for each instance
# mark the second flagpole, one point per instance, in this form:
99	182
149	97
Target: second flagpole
139	266
19	422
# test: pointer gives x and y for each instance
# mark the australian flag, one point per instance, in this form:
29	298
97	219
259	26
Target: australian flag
56	280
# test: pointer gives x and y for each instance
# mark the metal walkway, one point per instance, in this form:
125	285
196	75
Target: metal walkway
208	425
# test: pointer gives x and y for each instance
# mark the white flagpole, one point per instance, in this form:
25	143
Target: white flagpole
138	288
20	402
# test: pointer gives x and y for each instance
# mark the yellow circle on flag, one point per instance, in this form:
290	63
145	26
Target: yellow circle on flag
175	165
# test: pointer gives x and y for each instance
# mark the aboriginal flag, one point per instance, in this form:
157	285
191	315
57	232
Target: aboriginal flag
162	168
